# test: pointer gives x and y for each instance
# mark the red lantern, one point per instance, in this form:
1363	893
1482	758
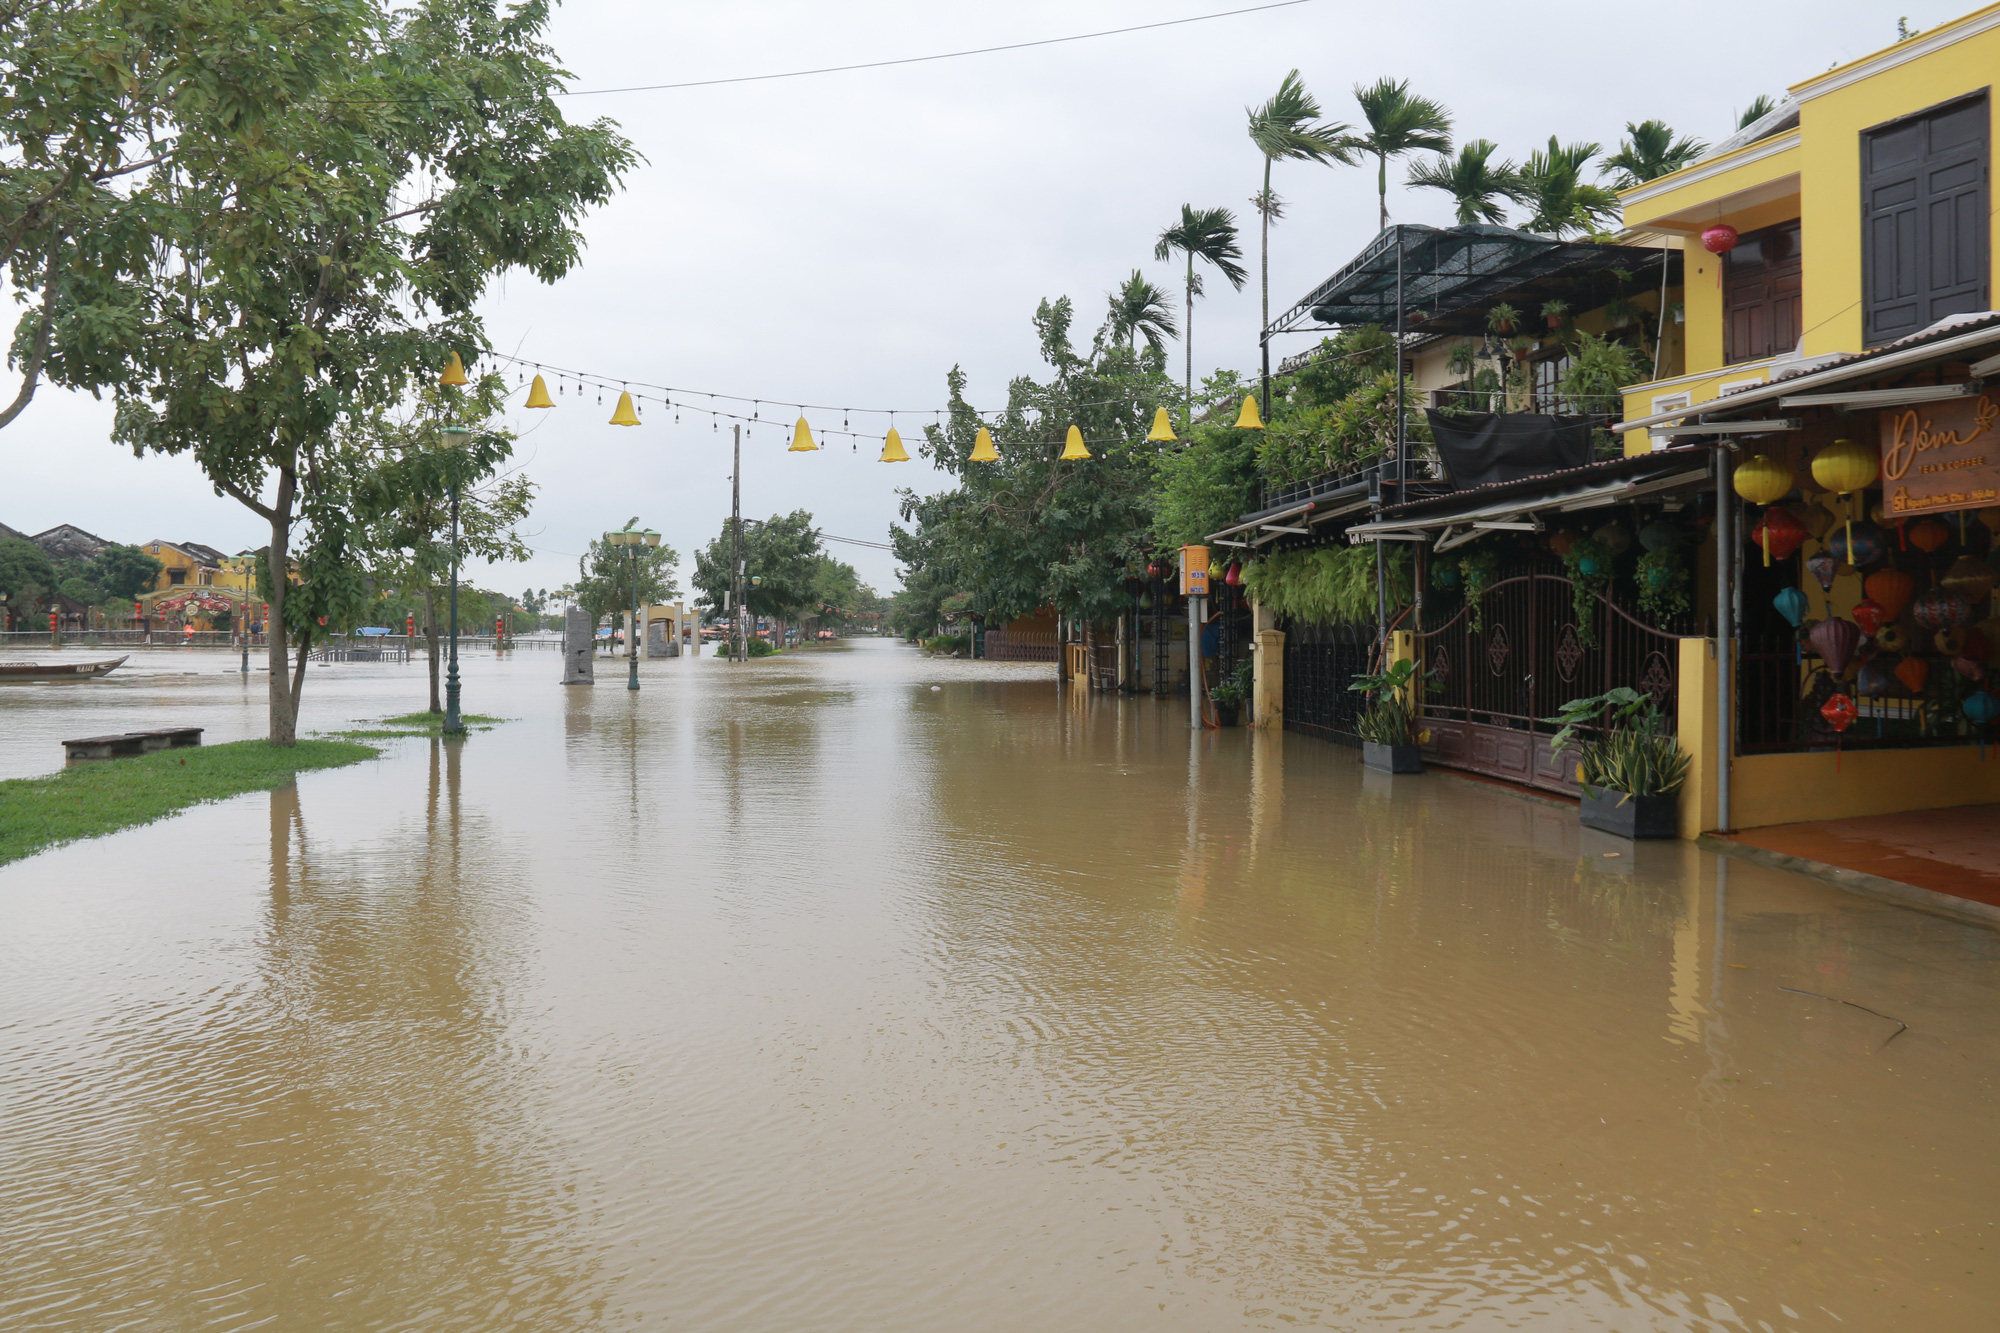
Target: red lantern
1869	615
1892	588
1778	533
1928	534
1719	239
1914	672
1233	576
1839	712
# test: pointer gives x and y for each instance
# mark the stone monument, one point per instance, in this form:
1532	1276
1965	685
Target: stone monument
579	653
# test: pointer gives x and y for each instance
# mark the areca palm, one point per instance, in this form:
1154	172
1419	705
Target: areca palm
1138	308
1473	179
1562	202
1398	124
1288	128
1650	151
1207	234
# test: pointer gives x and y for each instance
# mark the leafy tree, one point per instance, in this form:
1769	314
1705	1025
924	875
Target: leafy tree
605	574
780	552
1399	123
1475	182
1138	308
1562	203
26	576
1204	486
1207	234
1288	128
123	572
1648	151
323	233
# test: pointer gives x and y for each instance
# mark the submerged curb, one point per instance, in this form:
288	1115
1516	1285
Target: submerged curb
1892	891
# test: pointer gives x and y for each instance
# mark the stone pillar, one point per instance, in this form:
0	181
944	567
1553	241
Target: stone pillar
579	665
1267	698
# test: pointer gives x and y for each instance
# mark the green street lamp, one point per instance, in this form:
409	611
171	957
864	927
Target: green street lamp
631	539
455	438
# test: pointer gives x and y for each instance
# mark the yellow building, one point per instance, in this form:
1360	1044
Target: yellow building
1859	211
184	564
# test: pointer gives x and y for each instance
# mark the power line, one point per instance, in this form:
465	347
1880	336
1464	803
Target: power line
920	60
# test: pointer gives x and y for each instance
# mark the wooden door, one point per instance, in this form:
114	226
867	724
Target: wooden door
1762	278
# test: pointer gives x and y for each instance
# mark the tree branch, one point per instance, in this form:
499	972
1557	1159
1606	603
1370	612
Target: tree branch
32	372
248	501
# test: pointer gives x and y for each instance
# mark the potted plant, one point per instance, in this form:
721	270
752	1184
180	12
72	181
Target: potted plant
1555	312
1632	772
1229	693
1502	318
1388	726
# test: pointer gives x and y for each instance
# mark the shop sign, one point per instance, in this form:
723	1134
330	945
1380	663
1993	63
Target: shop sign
1194	571
1941	455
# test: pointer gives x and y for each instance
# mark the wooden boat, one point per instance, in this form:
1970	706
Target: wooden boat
59	670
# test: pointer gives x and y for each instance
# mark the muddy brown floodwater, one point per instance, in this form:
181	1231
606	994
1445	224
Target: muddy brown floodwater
802	995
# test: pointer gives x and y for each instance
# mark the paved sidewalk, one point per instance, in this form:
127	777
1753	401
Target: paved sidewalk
1955	852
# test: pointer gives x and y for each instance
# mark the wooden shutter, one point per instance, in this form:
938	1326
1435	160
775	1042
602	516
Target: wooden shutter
1924	219
1761	286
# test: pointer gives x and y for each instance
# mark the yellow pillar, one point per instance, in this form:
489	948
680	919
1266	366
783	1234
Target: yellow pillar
1699	696
1267	666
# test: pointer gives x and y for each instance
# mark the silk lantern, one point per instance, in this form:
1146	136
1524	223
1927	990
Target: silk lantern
1839	712
1791	604
1941	609
1914	673
1857	546
1845	467
1981	707
1891	638
1778	533
1835	640
1821	564
1969	577
1929	534
1763	480
1659	535
1875	680
1869	615
1892	589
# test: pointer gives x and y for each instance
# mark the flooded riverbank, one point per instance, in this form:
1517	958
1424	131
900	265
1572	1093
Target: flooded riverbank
801	994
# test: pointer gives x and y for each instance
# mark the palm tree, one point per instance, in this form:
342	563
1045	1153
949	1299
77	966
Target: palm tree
1476	181
1650	151
1207	234
1397	124
1287	129
1763	106
1138	307
1561	201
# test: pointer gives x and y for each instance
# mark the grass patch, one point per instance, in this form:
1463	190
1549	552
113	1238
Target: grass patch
435	721
411	724
91	800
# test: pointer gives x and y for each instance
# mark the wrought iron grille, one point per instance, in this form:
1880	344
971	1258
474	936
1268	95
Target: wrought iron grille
1321	661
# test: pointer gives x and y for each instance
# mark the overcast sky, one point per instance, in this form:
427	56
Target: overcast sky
847	238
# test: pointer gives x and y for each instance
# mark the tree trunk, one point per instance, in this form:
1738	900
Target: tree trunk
431	641
1187	340
1382	192
283	699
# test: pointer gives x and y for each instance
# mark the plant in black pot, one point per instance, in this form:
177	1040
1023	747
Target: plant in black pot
1632	771
1388	726
1229	693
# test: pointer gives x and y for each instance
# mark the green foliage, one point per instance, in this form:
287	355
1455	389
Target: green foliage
1351	358
1398	123
1589	562
1560	201
1138	308
605	575
1632	754
26	575
947	644
783	551
1648	152
1662	579
1763	104
1203	486
1235	686
1476	183
1479	568
91	800
1599	370
1392	712
1329	585
1339	436
122	572
755	648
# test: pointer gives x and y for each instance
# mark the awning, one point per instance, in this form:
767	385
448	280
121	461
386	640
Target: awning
1297	518
1520	505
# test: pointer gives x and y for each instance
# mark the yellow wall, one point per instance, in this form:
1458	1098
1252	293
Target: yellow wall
171	557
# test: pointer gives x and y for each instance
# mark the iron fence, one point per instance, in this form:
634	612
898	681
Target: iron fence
1780	688
1321	662
1018	646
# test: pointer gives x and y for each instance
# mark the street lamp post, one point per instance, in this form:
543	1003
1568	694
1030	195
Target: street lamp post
455	438
632	539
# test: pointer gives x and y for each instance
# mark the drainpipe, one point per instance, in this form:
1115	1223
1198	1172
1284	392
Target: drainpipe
1725	633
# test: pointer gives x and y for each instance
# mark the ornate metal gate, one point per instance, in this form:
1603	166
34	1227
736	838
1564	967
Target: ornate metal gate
1498	682
1321	661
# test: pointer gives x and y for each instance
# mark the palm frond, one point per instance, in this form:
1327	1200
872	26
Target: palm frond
1288	127
1472	179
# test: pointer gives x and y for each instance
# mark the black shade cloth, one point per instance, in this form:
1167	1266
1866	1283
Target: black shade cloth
1479	448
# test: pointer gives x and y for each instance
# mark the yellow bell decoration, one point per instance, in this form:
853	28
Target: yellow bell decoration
892	449
1248	419
1073	446
538	394
802	439
1846	467
982	448
454	372
626	415
1163	428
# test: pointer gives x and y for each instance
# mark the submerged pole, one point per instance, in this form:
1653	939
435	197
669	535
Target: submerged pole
1725	632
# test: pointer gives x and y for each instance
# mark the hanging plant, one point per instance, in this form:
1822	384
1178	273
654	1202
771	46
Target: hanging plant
1589	562
1555	312
1480	570
1445	573
1662	578
1502	318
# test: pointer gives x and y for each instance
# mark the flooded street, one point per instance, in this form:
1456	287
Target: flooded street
804	995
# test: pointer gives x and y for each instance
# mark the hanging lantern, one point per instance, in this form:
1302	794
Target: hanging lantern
1247	419
1073	446
1821	565
1981	707
1875	680
1892	638
454	373
1835	640
1845	467
1868	614
538	394
1929	534
1762	480
1892	589
1163	428
1950	642
1968	668
1839	712
1791	604
1719	239
1561	540
1914	673
1778	533
892	449
1941	609
1857	545
1975	646
1815	519
1659	535
1233	576
982	448
1969	577
802	439
1614	538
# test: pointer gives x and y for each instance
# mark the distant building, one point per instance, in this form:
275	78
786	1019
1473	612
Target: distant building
6	532
66	541
184	564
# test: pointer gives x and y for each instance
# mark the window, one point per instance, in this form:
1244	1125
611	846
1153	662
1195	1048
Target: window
1924	220
176	577
1760	299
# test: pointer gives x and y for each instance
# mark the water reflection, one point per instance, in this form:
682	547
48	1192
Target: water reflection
799	994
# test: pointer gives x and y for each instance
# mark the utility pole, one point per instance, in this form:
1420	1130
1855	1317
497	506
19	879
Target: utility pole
739	650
